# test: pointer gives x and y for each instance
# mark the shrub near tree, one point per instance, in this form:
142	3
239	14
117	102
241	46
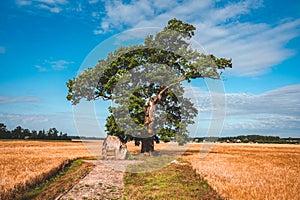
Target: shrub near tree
145	83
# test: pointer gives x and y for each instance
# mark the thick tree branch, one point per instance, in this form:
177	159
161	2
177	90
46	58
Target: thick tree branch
150	109
159	95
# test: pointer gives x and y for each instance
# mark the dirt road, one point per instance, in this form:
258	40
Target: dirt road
105	181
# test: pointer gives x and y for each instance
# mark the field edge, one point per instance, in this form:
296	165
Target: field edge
58	183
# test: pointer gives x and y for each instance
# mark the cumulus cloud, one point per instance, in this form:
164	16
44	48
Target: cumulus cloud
281	101
273	112
254	47
157	13
266	124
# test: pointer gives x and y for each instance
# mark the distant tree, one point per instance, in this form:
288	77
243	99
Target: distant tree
149	79
26	133
17	133
52	134
34	134
41	134
63	136
2	128
245	140
4	133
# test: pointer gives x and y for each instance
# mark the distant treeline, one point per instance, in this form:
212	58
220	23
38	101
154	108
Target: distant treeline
250	139
21	133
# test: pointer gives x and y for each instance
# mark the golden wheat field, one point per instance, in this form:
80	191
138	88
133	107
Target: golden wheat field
25	163
235	171
250	171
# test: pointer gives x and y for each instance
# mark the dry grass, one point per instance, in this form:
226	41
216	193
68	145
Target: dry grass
250	171
25	163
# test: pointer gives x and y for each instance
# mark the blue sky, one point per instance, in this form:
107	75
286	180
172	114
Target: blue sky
43	43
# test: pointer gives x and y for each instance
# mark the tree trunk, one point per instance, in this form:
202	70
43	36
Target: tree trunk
147	145
150	116
148	142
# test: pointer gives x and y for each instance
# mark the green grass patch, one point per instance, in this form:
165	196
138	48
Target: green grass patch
174	181
60	183
149	163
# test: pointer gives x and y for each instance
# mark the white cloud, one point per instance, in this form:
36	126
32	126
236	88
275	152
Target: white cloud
142	13
93	1
95	14
7	100
53	1
54	6
231	11
49	8
58	65
40	68
254	47
98	31
2	50
23	2
276	112
282	101
119	14
280	125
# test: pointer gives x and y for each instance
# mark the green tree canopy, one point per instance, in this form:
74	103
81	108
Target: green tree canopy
145	83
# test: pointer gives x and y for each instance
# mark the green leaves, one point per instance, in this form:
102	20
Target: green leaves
186	30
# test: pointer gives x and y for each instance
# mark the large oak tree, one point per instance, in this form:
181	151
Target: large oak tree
145	82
